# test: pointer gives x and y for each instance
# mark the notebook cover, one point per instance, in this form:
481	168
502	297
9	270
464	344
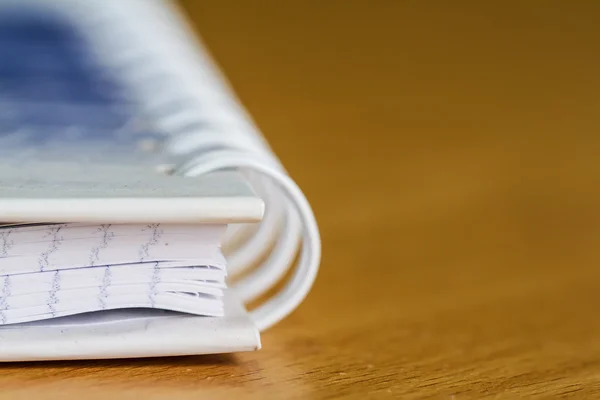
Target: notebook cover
130	334
75	147
74	192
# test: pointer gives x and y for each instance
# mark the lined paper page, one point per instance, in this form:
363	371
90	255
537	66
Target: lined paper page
54	270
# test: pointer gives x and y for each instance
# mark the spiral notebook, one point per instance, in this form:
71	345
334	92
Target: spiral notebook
133	187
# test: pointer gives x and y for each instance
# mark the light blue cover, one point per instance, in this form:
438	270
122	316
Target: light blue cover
69	128
57	100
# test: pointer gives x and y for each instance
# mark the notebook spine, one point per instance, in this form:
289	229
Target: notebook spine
148	45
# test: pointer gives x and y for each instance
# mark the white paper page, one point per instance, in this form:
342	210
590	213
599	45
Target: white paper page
49	271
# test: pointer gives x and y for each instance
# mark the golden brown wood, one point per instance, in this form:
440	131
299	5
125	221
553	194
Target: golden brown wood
451	152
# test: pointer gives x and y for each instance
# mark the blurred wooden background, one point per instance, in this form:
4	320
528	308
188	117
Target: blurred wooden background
451	153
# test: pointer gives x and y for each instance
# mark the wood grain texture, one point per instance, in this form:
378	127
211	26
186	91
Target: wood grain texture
451	153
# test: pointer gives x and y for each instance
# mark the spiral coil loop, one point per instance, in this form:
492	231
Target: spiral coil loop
147	46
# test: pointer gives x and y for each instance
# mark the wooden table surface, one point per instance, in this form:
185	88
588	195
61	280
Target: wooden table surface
451	153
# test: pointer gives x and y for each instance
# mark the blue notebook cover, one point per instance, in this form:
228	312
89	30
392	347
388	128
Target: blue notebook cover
54	93
69	128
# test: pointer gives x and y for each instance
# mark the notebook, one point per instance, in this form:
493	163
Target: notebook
133	188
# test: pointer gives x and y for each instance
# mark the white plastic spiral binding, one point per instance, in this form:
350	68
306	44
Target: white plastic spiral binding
151	49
